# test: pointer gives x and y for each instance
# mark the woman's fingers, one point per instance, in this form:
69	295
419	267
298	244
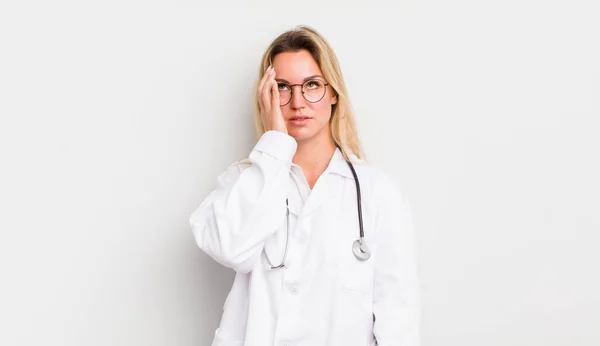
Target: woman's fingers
274	94
266	91
261	85
268	100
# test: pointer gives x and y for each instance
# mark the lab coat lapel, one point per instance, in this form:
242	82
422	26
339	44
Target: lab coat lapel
325	188
318	195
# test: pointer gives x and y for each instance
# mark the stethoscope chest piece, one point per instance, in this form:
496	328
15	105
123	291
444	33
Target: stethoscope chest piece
361	250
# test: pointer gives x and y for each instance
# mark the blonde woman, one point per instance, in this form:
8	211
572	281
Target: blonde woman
321	242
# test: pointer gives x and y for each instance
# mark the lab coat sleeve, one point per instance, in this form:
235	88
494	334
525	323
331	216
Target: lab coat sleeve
247	206
396	297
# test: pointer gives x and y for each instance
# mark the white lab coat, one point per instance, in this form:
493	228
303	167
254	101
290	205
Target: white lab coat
323	296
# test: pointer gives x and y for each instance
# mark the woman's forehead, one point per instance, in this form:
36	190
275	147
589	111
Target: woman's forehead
295	66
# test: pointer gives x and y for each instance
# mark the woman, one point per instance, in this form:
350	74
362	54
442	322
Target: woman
288	219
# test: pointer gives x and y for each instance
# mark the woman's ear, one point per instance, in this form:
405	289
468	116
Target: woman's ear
334	99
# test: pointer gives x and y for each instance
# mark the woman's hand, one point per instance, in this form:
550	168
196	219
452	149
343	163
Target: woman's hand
268	100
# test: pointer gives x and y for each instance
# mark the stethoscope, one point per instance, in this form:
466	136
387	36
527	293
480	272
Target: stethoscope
359	247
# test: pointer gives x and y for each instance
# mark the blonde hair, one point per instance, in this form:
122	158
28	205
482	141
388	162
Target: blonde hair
342	122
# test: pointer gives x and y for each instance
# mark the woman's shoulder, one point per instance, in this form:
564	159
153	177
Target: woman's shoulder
377	180
373	173
234	170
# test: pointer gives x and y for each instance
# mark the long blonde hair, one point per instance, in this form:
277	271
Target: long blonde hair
342	122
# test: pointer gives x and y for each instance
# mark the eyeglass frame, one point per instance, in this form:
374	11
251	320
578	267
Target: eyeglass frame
302	84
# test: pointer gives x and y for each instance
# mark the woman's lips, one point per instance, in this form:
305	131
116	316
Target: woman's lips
299	120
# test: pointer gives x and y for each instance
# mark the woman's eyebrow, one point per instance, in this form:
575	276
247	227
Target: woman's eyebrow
305	79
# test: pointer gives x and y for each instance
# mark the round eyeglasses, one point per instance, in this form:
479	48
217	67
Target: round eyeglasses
313	91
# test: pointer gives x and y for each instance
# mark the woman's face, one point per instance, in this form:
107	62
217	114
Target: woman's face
304	120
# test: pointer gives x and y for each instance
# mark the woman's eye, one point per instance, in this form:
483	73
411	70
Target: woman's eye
313	84
282	87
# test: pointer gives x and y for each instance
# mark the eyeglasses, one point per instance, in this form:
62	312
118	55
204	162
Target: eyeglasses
313	91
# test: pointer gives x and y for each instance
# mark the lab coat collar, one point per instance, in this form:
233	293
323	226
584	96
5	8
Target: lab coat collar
338	164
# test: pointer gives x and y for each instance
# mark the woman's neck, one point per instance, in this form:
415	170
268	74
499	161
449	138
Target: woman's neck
313	156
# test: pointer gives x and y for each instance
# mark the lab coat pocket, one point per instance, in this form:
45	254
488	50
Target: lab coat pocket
356	275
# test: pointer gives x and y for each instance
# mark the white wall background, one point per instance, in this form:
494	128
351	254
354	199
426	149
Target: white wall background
117	116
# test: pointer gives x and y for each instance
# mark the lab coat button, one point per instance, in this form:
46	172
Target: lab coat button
294	289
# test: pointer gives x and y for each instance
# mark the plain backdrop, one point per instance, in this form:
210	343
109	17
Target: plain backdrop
117	117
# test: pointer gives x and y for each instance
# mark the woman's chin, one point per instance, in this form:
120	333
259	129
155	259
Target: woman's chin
300	134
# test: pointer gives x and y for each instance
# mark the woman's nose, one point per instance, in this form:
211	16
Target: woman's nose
298	100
